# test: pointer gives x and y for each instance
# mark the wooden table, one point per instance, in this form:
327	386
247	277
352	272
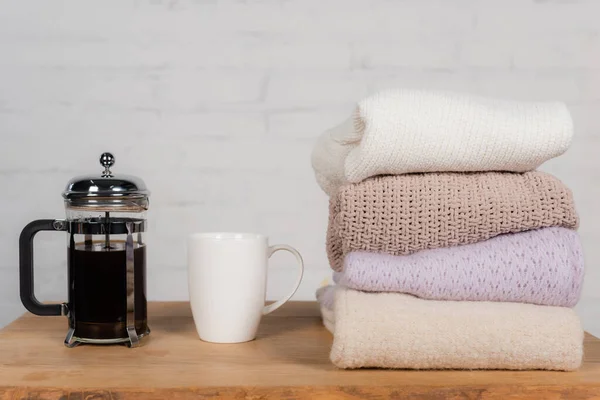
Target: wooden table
290	359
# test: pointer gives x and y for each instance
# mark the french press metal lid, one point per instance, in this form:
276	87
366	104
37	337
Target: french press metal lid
107	190
106	221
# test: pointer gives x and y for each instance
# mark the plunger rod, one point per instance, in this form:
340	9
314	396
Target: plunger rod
107	234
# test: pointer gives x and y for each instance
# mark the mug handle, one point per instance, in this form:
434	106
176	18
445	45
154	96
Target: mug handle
272	250
26	267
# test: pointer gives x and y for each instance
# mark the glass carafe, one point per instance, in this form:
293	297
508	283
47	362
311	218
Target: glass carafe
105	222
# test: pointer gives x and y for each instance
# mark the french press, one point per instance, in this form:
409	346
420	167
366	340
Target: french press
105	221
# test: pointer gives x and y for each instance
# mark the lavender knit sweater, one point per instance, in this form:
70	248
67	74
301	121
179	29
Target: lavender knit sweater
542	266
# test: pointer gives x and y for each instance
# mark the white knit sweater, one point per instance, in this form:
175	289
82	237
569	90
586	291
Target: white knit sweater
404	131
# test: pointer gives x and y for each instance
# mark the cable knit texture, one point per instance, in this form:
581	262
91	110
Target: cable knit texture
404	131
403	214
393	330
543	266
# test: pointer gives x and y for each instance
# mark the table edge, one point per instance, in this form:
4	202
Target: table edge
309	391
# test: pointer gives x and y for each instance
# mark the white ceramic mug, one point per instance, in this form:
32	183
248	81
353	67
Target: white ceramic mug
227	275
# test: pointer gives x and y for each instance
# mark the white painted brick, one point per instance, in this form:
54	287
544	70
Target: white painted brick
442	17
214	154
168	284
25	89
591	253
60	124
193	187
9	286
252	155
107	89
304	124
238	51
577	167
79	89
49	284
589	82
277	19
49	151
301	91
34	195
588	311
289	54
525	17
422	51
586	122
303	19
10	311
282	276
157	258
442	79
88	132
342	19
558	50
530	85
210	124
559	85
201	88
488	51
217	105
263	190
253	17
267	52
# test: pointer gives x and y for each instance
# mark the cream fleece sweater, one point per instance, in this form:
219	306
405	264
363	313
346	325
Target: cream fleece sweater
393	330
404	131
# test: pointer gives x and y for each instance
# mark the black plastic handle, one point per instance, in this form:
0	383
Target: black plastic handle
26	266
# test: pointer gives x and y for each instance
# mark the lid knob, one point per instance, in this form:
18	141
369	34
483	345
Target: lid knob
107	160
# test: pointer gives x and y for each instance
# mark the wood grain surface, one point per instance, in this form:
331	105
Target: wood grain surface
289	359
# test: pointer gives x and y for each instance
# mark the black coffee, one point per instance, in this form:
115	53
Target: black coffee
98	290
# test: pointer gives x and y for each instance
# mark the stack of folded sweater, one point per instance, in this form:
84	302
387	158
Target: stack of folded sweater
449	249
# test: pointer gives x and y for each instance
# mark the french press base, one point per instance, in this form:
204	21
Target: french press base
106	260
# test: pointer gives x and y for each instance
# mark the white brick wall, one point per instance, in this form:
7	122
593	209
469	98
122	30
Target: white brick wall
217	103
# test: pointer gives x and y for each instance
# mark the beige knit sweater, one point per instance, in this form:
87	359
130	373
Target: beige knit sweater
402	214
393	330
